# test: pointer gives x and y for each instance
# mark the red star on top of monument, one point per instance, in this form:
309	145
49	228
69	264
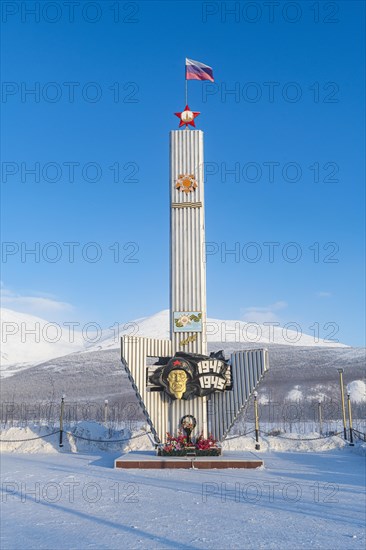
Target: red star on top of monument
187	117
176	363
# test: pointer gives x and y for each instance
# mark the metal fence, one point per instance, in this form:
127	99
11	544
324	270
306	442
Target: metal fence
288	417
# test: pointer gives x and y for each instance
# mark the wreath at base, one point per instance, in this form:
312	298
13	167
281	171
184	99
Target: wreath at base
181	445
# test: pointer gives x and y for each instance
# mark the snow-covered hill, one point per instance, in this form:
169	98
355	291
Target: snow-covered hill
28	340
218	330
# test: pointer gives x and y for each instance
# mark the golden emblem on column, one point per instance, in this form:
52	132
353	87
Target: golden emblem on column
186	183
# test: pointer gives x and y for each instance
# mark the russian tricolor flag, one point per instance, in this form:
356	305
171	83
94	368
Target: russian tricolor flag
198	71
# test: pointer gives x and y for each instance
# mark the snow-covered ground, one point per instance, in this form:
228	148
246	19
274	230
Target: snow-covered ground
297	500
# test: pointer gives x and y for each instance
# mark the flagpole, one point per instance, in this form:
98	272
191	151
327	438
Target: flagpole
185	76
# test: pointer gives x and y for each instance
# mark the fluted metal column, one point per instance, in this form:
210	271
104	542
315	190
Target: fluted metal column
187	224
187	262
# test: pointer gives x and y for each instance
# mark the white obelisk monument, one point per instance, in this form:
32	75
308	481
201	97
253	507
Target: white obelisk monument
211	390
187	242
187	260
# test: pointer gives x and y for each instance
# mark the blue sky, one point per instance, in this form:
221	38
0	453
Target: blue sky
292	130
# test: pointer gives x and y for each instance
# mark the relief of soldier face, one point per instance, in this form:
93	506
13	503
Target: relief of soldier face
177	380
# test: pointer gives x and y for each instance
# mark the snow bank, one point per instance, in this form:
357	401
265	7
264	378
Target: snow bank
289	442
91	436
37	439
22	440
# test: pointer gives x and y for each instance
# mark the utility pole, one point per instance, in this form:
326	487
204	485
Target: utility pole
257	445
320	417
62	420
342	403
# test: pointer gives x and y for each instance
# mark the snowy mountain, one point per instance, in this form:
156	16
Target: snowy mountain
36	369
218	330
28	340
